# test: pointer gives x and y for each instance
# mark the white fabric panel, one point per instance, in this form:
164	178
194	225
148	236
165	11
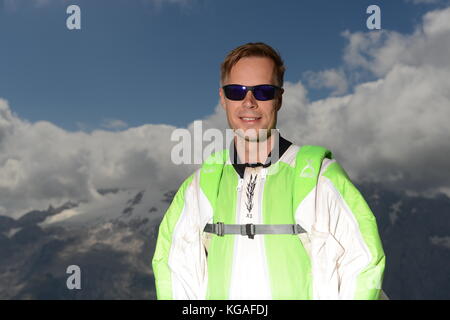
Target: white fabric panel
353	254
187	257
334	242
250	278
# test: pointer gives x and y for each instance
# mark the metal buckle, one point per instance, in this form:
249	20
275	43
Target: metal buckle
250	230
220	229
298	229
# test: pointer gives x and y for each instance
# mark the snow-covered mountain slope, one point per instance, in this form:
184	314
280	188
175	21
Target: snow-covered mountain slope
112	240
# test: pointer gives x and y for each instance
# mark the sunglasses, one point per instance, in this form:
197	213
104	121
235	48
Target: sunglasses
262	92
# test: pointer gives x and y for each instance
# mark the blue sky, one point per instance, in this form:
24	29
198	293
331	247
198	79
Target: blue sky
140	62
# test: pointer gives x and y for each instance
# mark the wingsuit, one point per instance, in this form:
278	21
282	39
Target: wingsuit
338	254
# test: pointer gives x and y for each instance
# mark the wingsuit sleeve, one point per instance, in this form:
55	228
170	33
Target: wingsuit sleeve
179	261
350	255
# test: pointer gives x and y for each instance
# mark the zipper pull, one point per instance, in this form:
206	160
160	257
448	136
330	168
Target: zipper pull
240	183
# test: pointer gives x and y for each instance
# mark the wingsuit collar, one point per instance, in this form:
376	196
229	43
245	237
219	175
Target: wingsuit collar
282	144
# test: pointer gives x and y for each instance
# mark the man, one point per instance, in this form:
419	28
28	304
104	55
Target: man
266	219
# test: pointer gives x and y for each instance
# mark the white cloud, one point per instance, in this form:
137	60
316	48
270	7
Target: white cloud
332	79
113	124
394	129
380	52
41	163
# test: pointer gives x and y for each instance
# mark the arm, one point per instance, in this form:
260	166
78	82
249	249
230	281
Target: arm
179	262
350	247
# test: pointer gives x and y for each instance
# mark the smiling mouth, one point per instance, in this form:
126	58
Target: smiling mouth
250	119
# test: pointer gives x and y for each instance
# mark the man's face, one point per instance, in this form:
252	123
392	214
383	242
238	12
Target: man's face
251	71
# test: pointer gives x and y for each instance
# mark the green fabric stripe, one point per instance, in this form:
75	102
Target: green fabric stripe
161	271
218	182
307	167
370	278
211	173
220	257
288	262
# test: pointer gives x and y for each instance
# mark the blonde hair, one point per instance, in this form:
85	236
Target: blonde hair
253	49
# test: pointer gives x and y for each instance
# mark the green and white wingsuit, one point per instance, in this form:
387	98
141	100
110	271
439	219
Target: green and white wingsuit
339	257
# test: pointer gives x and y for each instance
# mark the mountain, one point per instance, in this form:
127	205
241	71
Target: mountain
415	234
113	246
113	251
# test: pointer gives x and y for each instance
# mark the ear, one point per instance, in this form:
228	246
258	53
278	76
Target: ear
280	100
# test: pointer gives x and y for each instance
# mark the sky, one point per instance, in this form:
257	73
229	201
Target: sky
82	110
157	61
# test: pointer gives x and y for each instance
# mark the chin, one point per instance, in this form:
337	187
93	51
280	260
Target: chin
253	134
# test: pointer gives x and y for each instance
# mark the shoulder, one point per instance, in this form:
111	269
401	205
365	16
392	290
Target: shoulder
307	159
304	153
314	152
332	172
335	183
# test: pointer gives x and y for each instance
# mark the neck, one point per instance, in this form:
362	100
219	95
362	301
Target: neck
253	151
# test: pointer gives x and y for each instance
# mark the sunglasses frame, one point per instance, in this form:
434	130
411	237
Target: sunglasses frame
251	88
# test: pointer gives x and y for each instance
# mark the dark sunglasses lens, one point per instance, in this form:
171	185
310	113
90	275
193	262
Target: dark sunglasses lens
264	93
235	92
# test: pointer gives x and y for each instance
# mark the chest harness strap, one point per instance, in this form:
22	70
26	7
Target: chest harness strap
251	229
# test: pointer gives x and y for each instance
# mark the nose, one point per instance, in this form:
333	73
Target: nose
249	100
